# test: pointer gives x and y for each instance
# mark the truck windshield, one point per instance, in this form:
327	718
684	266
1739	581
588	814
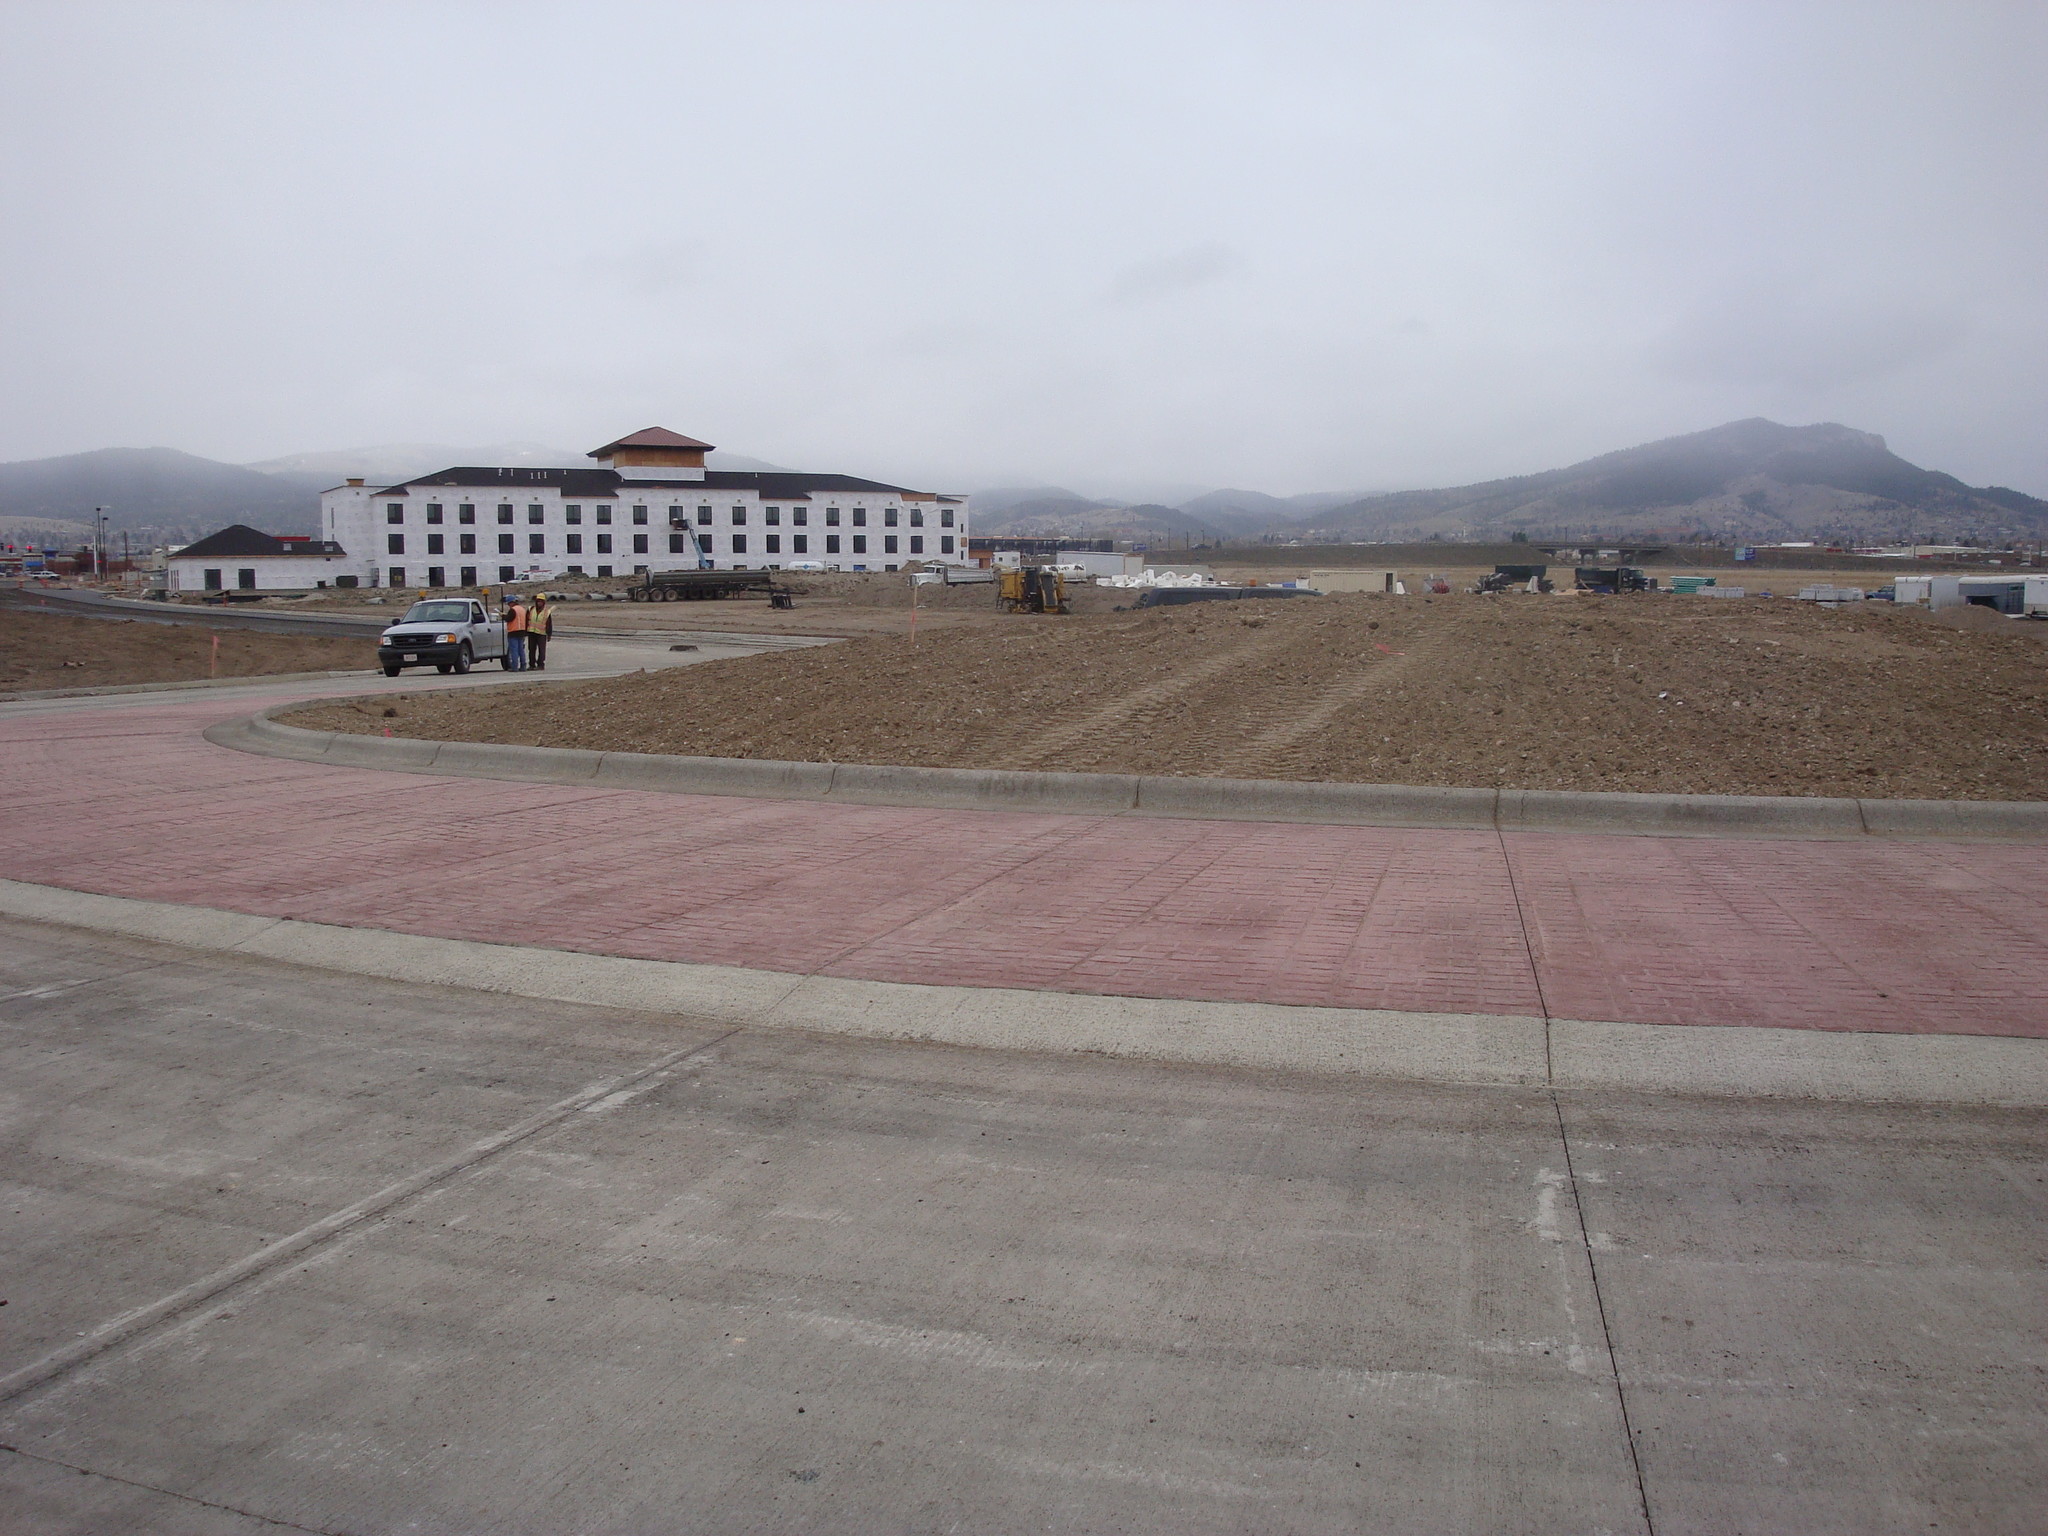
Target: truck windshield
436	613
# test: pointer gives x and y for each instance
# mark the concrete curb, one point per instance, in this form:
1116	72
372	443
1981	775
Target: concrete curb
1110	794
1457	1048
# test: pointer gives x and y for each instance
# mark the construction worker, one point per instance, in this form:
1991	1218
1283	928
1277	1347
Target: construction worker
540	626
515	633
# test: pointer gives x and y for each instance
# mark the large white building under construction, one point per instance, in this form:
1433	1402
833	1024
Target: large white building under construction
651	505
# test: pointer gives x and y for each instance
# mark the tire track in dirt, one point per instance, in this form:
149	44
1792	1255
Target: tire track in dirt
1281	727
1128	714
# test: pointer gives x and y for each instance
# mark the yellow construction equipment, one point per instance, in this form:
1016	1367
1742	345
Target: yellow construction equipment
1032	589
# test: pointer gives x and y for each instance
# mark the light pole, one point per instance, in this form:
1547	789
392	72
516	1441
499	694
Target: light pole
99	525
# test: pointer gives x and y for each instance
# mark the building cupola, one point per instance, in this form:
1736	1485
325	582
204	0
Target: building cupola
655	454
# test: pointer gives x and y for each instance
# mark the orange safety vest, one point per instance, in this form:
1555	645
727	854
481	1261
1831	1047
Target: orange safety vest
515	619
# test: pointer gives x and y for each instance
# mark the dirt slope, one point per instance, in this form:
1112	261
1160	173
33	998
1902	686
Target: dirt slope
1648	693
43	650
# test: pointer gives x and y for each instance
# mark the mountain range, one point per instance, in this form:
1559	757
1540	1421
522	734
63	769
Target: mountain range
1748	481
160	495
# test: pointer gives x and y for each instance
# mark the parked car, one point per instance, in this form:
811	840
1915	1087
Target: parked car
449	634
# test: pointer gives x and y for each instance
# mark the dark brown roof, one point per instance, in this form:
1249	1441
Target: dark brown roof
650	437
238	541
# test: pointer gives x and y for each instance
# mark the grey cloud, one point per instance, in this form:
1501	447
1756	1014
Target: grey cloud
1287	246
1780	336
1196	267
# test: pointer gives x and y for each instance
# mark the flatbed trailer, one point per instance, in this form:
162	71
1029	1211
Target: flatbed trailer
692	586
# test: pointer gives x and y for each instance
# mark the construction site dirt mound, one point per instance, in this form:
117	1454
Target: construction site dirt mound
48	650
1641	693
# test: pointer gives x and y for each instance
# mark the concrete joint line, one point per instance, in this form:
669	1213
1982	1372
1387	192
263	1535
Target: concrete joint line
172	1493
118	1330
1501	1050
1110	794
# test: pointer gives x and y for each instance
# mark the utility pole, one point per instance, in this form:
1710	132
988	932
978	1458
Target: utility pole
99	523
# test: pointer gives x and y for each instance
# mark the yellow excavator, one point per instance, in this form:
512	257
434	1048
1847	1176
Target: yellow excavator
1032	589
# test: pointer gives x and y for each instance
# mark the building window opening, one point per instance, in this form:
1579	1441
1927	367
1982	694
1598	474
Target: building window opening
433	511
860	543
504	573
704	517
505	512
739	517
888	543
799	516
639	543
466	513
889	518
831	517
676	545
437	576
469	575
799	543
572	515
772	516
394	513
394	543
640	516
917	517
860	517
212	579
945	543
831	543
535	514
604	514
397	576
505	546
946	518
572	543
466	544
771	544
604	570
739	543
434	543
917	543
537	543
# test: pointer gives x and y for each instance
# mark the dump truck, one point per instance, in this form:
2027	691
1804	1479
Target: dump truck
1611	578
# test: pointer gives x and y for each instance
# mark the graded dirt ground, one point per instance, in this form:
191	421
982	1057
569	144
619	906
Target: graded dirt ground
48	650
1642	693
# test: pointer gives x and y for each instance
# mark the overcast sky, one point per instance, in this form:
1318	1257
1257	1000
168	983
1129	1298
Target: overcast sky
1288	247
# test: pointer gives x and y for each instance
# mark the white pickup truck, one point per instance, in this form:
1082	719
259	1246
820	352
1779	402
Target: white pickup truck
448	633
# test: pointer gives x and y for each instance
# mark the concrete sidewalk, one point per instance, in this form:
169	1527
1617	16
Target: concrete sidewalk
297	1251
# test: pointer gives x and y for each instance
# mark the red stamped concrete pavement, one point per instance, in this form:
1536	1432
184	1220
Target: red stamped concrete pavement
1909	936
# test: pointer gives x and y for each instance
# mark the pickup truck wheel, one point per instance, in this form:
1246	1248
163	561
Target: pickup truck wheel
391	671
462	658
444	667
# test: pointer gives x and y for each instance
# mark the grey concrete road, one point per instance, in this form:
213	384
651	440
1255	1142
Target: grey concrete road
291	1250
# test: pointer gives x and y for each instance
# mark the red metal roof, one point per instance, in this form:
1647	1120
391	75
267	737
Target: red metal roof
650	437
